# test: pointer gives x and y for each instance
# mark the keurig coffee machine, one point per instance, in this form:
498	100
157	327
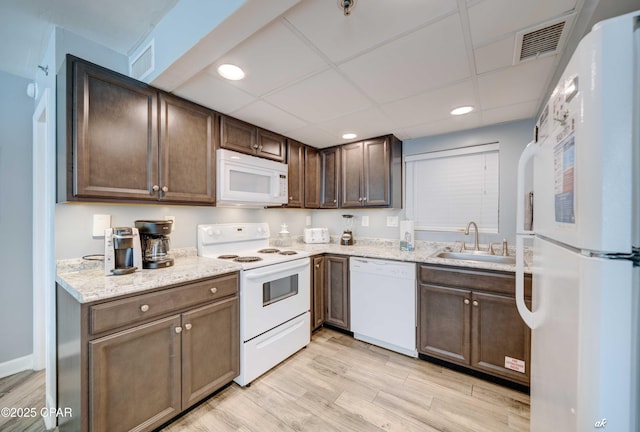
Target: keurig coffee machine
121	251
155	243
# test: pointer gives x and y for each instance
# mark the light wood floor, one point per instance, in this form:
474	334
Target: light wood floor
340	384
336	384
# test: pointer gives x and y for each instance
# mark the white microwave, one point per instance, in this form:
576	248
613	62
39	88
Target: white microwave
250	181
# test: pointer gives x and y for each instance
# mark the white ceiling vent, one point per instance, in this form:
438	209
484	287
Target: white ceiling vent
142	63
542	40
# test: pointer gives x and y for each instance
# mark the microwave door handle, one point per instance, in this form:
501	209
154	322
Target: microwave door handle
256	274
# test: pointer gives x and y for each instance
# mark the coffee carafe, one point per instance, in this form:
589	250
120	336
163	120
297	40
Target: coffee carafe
155	243
122	253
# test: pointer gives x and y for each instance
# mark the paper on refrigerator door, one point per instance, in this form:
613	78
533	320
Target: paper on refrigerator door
406	235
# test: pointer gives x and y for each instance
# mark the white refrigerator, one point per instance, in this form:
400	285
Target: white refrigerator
585	160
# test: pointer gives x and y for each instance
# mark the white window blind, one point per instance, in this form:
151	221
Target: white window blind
447	189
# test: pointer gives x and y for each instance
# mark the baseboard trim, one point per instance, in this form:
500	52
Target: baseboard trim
16	365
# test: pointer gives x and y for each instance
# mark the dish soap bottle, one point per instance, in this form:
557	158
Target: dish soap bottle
284	237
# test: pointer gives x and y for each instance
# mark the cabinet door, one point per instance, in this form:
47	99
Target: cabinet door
444	317
317	292
337	291
500	340
115	140
238	136
210	349
134	377
271	146
311	178
329	175
376	176
186	152
351	175
295	160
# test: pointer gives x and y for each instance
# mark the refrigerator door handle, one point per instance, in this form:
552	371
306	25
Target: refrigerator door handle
527	316
527	154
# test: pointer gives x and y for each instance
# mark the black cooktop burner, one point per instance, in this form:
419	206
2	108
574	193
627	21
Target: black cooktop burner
288	252
269	250
247	259
228	256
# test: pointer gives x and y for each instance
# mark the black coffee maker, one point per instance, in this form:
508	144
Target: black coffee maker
154	236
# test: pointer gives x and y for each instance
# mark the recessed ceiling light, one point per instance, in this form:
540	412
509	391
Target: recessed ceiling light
349	135
230	72
461	110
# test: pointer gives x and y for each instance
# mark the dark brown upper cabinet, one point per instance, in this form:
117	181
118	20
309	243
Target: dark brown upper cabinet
329	177
115	150
371	173
311	178
246	138
295	160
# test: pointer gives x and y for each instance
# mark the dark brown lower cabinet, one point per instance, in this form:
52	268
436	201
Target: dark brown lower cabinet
317	292
136	362
469	317
337	291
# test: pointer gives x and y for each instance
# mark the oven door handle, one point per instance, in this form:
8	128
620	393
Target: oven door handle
285	267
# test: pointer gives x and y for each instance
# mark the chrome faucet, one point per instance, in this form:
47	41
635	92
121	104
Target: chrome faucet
476	247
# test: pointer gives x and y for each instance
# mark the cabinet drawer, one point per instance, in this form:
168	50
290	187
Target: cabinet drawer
119	313
498	282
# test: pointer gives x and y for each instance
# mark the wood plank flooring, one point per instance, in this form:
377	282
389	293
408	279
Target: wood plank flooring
340	384
336	384
22	390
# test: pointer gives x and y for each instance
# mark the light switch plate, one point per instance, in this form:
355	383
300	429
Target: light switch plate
392	221
100	223
308	221
365	220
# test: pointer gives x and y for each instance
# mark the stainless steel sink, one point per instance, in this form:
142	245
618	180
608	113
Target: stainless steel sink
478	256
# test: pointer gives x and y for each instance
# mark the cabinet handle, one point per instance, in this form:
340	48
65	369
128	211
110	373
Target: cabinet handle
290	198
466	301
255	146
187	326
360	199
260	147
155	188
213	290
178	329
144	308
364	198
165	189
475	303
335	201
317	265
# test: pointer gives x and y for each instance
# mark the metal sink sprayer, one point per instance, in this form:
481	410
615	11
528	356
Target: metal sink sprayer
476	246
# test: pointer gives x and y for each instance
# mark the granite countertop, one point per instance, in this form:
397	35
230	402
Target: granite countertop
424	253
86	282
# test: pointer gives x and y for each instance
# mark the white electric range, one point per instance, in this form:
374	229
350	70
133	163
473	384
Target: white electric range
275	292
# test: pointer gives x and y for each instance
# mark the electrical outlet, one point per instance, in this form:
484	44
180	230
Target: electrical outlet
392	221
173	219
100	223
365	221
308	221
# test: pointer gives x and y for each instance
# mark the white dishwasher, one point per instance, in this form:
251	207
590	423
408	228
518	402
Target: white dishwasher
383	303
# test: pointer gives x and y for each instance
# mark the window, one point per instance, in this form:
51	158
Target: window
447	189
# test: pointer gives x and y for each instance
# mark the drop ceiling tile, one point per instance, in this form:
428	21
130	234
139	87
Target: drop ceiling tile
272	57
522	83
318	98
371	22
525	110
490	19
366	124
269	117
428	58
213	93
314	136
431	105
468	121
495	55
